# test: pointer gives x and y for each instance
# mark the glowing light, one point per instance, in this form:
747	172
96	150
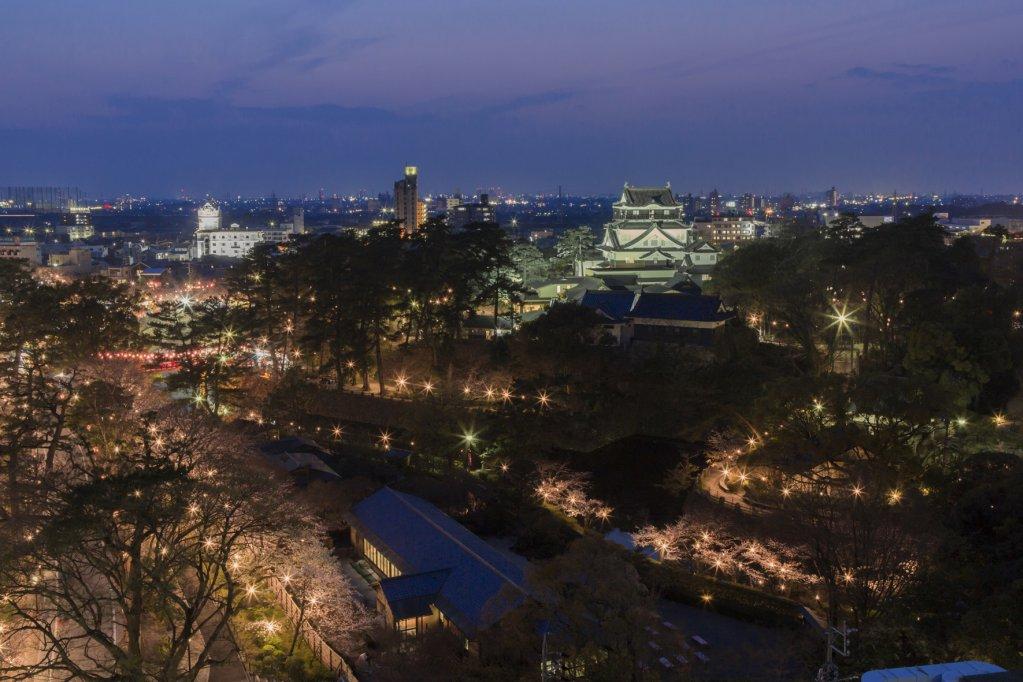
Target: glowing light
543	398
336	431
894	496
857	491
999	420
842	319
428	387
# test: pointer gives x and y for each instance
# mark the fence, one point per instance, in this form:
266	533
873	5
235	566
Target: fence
326	653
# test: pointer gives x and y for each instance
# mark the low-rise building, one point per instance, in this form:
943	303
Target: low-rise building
233	242
18	248
460	215
74	262
434	573
658	317
730	229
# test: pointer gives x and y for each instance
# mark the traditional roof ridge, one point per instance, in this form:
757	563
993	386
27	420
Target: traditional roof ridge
644	196
659	250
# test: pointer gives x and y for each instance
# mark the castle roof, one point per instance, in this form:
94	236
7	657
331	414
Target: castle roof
644	196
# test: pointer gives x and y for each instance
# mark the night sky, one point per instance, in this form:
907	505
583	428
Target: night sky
257	96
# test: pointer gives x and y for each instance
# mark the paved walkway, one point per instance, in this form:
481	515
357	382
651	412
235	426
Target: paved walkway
711	484
224	649
735	649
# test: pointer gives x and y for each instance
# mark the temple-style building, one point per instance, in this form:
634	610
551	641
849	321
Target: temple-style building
648	237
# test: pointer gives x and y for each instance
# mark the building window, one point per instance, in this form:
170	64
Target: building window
407	628
376	557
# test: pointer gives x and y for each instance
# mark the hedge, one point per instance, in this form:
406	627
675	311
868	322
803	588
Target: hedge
727	598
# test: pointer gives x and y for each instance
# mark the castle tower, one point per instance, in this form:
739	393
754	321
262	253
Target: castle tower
208	217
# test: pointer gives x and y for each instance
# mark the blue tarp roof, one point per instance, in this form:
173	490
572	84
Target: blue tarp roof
482	584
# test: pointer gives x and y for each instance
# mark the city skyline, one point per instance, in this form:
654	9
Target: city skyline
290	97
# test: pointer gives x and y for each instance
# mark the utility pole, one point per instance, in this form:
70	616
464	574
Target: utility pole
829	671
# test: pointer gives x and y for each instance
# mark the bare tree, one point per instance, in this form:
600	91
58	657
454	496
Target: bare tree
863	535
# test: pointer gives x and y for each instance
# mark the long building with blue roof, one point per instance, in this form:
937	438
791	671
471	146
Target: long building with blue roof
658	317
434	572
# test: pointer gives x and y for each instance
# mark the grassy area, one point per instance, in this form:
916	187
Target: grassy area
265	649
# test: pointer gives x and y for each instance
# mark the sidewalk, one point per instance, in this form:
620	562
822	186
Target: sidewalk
224	649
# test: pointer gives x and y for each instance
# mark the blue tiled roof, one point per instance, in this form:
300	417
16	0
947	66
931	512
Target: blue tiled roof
614	304
482	583
697	308
411	595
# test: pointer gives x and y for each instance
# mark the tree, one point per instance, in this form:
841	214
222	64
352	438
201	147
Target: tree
863	534
595	612
203	341
263	288
312	576
571	246
48	334
528	261
334	331
138	549
780	282
447	275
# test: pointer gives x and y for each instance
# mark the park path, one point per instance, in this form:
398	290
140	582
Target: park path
711	484
224	649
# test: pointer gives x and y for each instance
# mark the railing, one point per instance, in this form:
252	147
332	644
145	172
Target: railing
326	653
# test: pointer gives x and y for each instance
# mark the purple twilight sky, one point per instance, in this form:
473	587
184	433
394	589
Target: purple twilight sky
254	96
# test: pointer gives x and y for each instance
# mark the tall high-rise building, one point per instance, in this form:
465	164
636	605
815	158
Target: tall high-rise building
832	197
406	199
714	203
751	203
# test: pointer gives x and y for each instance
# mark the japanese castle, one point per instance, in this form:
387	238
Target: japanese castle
649	239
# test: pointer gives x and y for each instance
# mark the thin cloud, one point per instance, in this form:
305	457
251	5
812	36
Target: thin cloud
904	75
528	102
